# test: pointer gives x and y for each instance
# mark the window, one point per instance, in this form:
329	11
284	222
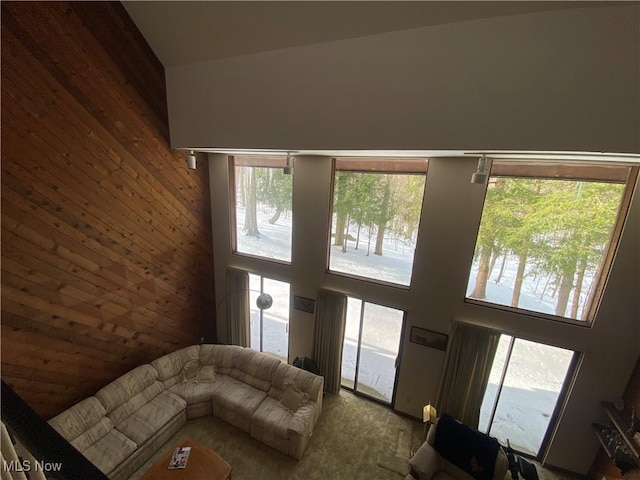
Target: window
270	328
376	214
548	235
370	349
262	199
525	386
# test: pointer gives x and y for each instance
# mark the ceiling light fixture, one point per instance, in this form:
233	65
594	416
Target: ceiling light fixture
482	173
191	161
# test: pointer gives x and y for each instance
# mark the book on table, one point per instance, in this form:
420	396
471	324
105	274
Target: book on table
179	458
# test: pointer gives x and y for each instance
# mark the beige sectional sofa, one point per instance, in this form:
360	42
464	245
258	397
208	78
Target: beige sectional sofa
120	427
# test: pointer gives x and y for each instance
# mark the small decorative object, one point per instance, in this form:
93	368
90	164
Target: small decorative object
428	338
179	458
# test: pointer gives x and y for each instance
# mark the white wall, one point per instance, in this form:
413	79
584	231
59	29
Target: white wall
451	214
558	80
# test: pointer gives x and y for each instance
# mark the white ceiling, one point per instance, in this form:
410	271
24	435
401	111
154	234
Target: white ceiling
184	32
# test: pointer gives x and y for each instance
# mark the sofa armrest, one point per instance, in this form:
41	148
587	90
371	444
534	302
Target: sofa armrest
426	462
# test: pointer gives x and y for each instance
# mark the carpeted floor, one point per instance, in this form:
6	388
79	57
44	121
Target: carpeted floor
347	444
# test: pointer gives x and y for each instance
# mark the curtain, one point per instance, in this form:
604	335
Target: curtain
331	311
238	312
466	372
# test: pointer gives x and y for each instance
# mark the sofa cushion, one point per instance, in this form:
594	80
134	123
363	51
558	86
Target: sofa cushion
292	399
150	418
206	374
190	370
169	366
254	368
236	396
222	356
77	420
272	417
194	392
302	380
110	451
116	396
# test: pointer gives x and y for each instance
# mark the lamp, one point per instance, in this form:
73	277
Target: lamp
429	417
288	169
191	161
482	173
263	302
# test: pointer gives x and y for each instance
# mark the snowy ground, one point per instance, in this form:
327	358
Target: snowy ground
531	385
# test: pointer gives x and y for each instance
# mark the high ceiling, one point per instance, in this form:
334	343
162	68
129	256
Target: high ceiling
184	32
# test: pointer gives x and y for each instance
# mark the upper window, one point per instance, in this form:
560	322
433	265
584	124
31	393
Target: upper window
262	200
376	214
548	235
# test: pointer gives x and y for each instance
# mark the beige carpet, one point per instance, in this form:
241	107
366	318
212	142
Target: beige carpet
402	436
346	445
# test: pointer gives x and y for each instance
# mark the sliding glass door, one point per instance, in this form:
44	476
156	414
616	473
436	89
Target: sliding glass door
525	388
370	349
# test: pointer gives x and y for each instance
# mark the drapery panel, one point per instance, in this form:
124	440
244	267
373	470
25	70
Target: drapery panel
331	311
466	372
238	312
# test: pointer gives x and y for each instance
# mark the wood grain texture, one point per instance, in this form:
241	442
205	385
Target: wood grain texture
107	257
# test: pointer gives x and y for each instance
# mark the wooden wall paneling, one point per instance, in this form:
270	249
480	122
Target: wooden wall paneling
107	257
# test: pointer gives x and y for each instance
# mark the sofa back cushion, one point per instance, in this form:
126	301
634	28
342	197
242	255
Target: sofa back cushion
221	356
288	375
254	368
170	366
76	421
130	392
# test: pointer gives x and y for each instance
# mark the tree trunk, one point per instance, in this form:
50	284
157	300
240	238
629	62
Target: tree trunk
251	213
494	257
346	234
382	225
369	242
275	216
582	266
358	236
480	288
340	220
502	265
522	261
566	285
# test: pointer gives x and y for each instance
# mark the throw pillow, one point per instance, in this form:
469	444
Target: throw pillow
292	399
190	371
206	374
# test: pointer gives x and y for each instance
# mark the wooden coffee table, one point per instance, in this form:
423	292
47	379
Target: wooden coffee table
203	463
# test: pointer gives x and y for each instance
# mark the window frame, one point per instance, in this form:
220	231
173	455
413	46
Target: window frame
382	166
609	173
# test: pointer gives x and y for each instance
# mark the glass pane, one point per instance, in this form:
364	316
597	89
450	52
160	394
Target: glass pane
489	399
379	349
531	388
263	212
542	243
350	345
275	326
375	225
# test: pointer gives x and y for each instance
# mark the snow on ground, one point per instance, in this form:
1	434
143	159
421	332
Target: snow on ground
531	387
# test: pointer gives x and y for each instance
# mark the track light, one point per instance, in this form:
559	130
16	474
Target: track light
288	169
482	173
191	161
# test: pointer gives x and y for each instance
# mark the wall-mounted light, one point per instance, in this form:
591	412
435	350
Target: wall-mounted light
288	169
191	161
482	173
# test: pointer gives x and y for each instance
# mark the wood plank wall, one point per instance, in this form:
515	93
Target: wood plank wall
107	258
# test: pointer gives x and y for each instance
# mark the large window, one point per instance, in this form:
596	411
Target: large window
270	328
525	387
376	214
548	235
262	200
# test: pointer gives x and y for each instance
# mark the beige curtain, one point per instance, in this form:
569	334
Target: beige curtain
238	311
331	311
466	372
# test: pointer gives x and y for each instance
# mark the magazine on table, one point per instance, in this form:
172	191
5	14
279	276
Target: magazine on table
179	458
